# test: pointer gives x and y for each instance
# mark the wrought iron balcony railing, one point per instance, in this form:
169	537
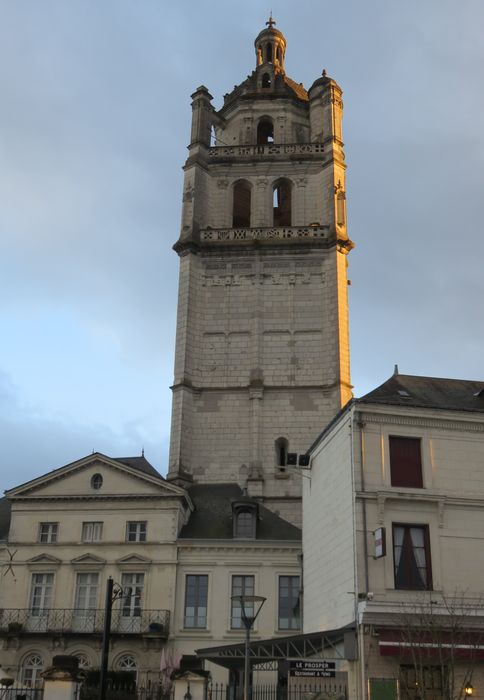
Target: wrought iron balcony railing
78	621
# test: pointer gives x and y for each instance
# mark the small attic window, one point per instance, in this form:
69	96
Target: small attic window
266	80
403	393
244	514
479	394
96	481
245	524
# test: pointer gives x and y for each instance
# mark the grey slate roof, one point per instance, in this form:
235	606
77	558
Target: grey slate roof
428	392
212	517
140	463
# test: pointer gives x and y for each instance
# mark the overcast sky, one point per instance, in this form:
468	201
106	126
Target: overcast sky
94	124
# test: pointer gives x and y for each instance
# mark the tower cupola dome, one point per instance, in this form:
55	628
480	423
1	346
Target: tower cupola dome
270	47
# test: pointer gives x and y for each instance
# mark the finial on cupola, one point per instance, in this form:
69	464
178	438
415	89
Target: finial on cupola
270	22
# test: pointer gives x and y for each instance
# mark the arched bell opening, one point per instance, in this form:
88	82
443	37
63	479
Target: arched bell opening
282	202
241	205
265	131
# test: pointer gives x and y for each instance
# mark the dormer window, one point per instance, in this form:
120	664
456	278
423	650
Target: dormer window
244	513
245	524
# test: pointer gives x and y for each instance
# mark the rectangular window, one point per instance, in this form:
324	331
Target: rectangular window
41	593
196	595
241	585
48	532
133	592
417	681
92	532
411	556
405	462
86	591
136	531
289	609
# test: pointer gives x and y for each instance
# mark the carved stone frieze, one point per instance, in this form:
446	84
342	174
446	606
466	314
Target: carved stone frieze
188	193
276	278
267	149
269	233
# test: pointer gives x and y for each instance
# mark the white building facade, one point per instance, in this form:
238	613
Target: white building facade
394	536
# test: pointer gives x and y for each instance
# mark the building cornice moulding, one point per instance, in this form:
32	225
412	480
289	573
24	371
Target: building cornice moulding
423	421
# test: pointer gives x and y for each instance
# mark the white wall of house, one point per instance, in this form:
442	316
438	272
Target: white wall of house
328	532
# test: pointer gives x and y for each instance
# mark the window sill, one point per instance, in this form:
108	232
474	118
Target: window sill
282	474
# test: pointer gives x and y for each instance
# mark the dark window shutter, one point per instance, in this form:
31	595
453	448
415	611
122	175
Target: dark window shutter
405	462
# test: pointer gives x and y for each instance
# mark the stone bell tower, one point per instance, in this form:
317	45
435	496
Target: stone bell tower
262	352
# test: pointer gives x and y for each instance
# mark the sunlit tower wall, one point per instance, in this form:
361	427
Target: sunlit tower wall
262	349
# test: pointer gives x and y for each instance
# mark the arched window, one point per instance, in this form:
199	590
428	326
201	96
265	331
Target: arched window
266	80
282	447
282	203
31	669
241	204
127	663
125	680
265	131
83	660
269	53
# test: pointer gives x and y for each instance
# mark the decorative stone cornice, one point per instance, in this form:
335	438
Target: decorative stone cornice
196	546
423	496
421	421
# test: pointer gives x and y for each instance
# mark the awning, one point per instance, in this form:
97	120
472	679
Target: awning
299	646
461	644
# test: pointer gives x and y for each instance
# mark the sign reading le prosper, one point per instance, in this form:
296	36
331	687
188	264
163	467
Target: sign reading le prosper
312	669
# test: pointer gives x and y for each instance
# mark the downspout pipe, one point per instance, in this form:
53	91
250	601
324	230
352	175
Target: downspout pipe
361	425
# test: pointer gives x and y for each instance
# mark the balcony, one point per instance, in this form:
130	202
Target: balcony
268	234
266	150
15	622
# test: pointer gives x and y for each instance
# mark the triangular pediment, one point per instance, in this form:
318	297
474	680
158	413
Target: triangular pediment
44	559
123	478
88	559
133	559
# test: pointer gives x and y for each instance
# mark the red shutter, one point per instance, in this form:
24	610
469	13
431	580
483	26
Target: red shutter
405	462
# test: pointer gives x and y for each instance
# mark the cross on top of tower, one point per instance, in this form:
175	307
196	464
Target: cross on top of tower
270	22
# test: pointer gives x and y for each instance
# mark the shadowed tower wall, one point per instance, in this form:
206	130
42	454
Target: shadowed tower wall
262	351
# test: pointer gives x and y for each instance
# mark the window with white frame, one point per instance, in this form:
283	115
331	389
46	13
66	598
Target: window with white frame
133	584
32	666
41	593
136	531
196	596
48	532
241	585
87	587
289	612
92	531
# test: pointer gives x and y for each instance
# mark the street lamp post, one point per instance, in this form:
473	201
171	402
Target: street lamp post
113	593
250	607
